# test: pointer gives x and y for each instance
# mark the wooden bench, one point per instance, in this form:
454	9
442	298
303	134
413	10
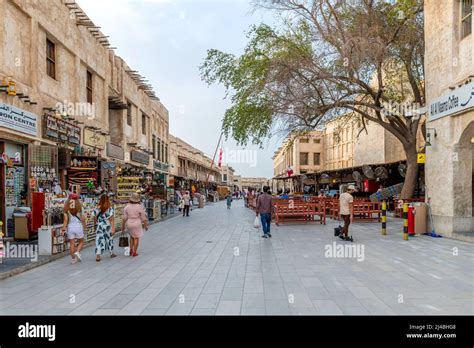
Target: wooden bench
298	211
367	211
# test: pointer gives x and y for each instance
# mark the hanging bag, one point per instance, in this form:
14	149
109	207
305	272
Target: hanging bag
257	223
123	240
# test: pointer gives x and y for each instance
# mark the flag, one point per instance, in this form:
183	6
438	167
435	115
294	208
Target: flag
219	164
289	171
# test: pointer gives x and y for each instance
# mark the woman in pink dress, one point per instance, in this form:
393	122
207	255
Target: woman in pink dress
134	218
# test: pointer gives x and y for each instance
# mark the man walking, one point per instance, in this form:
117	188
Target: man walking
264	208
346	210
186	201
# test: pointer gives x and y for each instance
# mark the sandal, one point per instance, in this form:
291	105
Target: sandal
97	258
113	255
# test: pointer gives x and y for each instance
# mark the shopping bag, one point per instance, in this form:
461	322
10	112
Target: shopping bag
256	222
123	240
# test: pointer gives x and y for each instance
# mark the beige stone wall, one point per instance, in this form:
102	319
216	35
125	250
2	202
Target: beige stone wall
189	162
254	182
24	28
289	154
339	139
448	63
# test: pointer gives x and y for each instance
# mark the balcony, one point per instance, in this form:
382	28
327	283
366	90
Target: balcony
182	172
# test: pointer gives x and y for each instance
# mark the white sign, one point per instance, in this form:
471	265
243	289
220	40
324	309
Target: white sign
453	102
17	119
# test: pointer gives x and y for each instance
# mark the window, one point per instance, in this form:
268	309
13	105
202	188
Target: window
317	141
153	144
304	140
51	59
143	123
166	153
89	87
129	114
163	151
317	158
224	177
466	18
303	158
159	149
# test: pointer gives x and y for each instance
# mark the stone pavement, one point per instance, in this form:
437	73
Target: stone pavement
216	263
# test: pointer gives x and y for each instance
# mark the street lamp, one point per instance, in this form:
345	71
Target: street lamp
428	135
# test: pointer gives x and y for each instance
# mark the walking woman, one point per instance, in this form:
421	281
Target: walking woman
74	226
105	227
134	218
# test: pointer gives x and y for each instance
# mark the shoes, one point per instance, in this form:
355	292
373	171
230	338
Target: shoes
113	255
135	254
78	256
73	261
270	235
264	236
97	258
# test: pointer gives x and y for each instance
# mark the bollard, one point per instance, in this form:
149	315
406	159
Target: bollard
405	221
384	218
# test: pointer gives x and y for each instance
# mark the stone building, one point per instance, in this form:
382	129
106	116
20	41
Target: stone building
190	167
227	176
301	154
62	87
449	69
339	141
254	182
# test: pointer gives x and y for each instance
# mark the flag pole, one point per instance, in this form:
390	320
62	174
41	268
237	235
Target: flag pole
213	158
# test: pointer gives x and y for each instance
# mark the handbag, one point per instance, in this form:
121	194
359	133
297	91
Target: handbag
123	240
257	223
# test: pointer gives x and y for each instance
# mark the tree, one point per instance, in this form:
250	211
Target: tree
327	58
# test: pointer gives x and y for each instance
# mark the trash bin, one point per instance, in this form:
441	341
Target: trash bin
420	213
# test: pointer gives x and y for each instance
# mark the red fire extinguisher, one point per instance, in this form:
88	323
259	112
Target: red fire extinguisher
411	220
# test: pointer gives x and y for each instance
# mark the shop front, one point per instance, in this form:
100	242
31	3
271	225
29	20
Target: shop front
18	132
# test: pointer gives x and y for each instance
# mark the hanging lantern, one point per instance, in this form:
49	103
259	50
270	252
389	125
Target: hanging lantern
11	88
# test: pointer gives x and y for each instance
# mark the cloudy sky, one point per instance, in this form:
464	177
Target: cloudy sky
166	41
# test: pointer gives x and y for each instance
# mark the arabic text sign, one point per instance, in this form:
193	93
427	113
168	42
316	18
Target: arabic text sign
452	102
14	118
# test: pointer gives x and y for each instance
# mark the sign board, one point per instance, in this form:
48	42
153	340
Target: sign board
160	165
17	119
94	139
115	151
453	102
140	157
421	158
61	131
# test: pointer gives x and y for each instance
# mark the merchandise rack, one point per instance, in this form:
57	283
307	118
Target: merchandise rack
126	186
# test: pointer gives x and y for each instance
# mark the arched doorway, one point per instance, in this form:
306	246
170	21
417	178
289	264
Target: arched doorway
463	181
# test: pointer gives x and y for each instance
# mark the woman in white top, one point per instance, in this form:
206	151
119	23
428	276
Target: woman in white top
74	224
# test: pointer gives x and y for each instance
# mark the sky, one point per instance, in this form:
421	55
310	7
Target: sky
166	41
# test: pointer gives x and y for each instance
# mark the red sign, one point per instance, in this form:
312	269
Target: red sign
219	164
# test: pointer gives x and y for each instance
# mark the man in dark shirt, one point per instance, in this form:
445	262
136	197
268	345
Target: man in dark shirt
264	208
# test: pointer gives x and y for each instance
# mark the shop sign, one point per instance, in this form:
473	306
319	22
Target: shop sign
160	165
17	119
94	139
61	131
453	102
115	151
421	158
140	157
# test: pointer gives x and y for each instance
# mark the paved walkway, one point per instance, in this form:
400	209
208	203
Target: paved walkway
215	262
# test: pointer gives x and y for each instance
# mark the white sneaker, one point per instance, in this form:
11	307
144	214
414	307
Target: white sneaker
78	256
